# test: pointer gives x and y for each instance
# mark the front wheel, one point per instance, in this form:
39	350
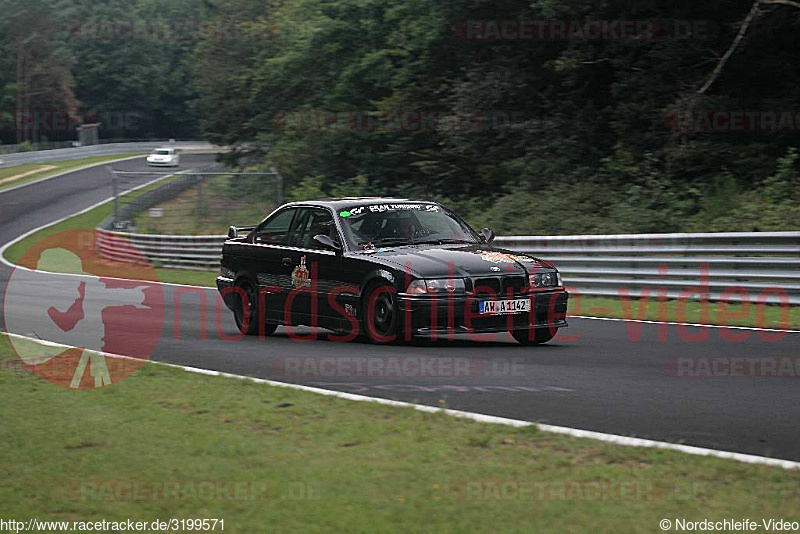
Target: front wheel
540	335
381	314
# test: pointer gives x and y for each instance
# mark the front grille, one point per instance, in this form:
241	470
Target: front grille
500	285
513	284
487	285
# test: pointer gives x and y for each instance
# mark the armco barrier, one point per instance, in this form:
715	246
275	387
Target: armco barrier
182	252
61	154
722	266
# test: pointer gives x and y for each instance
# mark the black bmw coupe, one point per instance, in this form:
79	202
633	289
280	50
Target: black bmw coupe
387	269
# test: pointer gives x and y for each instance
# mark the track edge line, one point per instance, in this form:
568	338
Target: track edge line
614	439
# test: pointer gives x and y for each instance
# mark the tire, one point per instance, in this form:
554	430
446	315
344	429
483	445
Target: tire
540	336
255	319
383	325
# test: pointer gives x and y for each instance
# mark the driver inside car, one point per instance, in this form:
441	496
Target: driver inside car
403	227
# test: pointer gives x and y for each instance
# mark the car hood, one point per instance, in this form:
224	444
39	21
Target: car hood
458	260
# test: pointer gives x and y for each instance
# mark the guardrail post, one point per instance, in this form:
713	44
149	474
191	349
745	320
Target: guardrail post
278	184
115	193
201	211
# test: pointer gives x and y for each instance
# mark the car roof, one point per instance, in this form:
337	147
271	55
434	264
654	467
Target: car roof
349	202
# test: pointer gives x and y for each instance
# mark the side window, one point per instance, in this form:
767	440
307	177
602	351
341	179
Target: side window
276	230
318	221
298	226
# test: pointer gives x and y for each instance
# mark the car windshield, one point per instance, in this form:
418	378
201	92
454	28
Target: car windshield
387	225
161	152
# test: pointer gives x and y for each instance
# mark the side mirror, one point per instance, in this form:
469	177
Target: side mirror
486	235
235	232
327	243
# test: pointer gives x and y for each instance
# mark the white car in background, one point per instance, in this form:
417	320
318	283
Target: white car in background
164	157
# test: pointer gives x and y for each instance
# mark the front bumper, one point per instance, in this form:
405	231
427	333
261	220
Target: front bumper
223	286
162	163
460	314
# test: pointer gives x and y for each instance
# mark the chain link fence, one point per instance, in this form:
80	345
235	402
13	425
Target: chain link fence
197	202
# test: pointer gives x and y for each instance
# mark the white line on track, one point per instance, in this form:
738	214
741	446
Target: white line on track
481	418
685	324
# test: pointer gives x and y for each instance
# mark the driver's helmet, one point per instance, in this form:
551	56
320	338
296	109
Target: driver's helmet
401	226
371	226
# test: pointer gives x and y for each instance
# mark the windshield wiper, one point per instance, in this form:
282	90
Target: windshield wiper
443	241
456	242
401	241
389	241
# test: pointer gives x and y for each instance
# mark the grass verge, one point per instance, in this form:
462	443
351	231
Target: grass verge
190	277
58	168
313	463
204	210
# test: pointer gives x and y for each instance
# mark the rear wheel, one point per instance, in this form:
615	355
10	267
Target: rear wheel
381	314
246	314
540	335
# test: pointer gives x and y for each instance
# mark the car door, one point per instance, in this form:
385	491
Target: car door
317	271
268	261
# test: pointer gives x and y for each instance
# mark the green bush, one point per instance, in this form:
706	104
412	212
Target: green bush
626	196
318	187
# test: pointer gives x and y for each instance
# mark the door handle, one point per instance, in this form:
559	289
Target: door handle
287	261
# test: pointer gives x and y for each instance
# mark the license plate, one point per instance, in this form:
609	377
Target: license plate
501	307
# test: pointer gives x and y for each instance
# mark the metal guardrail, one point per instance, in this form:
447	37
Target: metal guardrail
732	266
182	252
757	266
61	154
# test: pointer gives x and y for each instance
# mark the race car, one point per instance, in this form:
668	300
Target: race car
164	157
386	269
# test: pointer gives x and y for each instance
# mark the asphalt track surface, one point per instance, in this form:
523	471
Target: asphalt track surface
606	376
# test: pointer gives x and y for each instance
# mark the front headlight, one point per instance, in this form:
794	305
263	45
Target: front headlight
545	279
438	286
